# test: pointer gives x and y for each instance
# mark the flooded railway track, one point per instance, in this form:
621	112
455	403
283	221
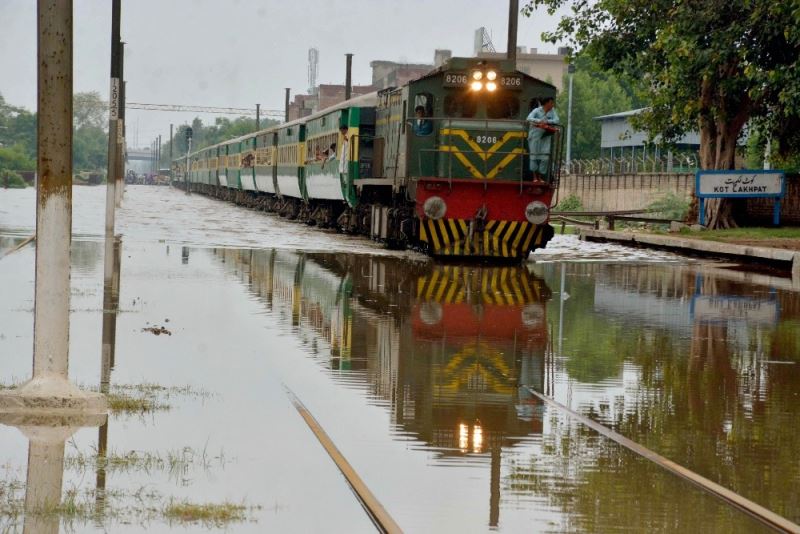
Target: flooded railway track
764	515
375	510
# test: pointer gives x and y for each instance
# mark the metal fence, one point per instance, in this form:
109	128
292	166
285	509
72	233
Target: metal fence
677	163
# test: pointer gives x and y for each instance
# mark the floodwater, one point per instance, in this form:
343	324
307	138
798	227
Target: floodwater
420	373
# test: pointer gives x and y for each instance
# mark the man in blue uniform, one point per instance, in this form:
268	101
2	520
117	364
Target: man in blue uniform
540	137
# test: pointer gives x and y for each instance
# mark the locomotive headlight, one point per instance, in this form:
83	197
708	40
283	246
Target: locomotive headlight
491	75
536	212
477	86
435	207
477	75
491	86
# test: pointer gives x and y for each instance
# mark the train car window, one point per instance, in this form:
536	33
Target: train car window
502	106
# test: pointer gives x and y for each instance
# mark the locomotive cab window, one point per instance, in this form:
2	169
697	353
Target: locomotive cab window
461	104
502	106
421	124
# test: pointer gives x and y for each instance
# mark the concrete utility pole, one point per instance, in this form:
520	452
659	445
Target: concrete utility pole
348	77
170	154
113	120
158	155
286	106
49	392
571	71
120	163
513	18
258	117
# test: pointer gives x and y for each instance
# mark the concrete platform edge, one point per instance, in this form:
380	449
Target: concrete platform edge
785	258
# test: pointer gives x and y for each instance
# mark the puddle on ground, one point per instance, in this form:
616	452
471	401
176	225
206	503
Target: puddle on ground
419	372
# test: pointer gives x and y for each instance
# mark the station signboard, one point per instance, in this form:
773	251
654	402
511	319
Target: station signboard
743	183
721	309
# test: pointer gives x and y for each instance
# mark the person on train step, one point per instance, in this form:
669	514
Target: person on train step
540	137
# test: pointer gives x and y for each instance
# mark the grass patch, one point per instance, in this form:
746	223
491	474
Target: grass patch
207	513
127	507
177	463
747	233
124	403
148	397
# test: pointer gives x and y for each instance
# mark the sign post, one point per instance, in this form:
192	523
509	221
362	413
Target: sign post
743	183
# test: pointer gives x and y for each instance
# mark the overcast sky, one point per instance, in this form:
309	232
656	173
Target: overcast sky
235	53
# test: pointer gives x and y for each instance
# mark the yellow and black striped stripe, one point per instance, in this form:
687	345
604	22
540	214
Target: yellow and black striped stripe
499	239
504	286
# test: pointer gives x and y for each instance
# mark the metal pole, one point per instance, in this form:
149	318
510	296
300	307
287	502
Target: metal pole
571	70
158	160
513	17
286	105
53	194
186	174
170	154
113	116
121	126
258	117
348	77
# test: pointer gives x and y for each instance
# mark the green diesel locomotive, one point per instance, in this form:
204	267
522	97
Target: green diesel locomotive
442	164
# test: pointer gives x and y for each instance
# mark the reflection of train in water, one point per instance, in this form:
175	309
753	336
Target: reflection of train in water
442	163
449	347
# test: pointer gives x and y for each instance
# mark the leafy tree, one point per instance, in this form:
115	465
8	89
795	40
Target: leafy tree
710	66
594	92
16	158
88	109
89	149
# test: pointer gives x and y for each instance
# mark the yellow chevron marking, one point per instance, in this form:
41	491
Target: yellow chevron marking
432	285
421	286
527	289
443	232
517	291
523	227
456	236
496	236
504	287
504	162
528	238
452	292
484	155
436	244
507	250
463	159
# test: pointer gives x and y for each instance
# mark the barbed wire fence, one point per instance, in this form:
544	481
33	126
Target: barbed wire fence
677	163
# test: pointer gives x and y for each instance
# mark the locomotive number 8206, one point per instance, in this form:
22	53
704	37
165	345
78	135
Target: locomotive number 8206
455	79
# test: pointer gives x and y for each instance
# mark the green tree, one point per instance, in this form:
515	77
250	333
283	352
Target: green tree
88	109
709	66
594	92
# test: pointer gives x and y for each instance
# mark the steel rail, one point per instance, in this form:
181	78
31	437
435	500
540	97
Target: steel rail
375	510
762	514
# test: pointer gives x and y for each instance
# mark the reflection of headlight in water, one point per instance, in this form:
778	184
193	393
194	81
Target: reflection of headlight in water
431	313
532	315
477	439
463	437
